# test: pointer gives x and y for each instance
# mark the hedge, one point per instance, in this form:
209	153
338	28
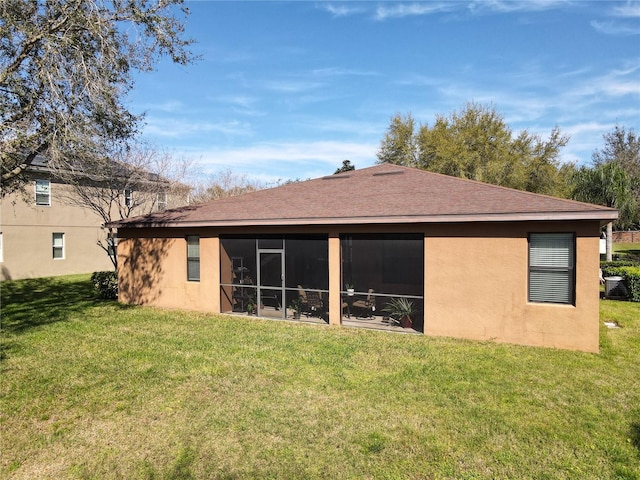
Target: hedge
106	284
629	271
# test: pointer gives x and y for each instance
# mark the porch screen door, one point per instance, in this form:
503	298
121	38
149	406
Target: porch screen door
271	283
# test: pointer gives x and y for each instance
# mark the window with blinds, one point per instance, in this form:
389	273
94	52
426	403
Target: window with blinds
552	268
193	258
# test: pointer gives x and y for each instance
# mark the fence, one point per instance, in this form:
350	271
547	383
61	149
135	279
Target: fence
629	236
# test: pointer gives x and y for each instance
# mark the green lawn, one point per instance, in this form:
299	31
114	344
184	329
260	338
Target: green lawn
93	389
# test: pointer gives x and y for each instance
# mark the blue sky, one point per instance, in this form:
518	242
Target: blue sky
287	90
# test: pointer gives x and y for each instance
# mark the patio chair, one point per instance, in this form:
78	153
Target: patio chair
312	304
365	306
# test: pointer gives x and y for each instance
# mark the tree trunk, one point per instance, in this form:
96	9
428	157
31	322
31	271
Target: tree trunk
609	241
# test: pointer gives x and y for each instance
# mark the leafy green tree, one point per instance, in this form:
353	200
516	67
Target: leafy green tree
477	144
65	69
347	166
622	147
607	184
399	145
614	179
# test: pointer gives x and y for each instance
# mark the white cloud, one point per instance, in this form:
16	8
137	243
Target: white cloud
509	6
412	9
168	106
181	128
615	28
285	160
342	72
291	86
341	10
630	9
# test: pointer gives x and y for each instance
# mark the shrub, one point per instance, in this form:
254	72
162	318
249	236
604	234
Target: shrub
630	271
612	269
632	279
106	284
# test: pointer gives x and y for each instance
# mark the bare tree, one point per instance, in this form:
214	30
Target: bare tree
139	180
225	183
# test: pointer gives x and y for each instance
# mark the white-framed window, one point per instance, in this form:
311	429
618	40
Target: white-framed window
193	258
161	201
128	197
552	267
58	245
112	245
43	192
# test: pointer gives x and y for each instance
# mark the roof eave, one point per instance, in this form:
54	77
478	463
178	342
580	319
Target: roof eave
603	216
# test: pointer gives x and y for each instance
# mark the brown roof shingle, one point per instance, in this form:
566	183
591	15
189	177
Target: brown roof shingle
380	194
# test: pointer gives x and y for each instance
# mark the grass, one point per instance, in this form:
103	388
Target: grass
629	251
93	389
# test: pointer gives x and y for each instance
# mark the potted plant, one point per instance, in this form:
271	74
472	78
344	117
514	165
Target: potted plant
350	289
296	305
251	304
401	309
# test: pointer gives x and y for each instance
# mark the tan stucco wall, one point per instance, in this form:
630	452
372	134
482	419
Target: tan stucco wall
27	238
476	280
27	231
153	271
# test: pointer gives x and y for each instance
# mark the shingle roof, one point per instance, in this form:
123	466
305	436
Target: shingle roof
381	194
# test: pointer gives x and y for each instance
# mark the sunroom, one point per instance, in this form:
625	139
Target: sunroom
287	277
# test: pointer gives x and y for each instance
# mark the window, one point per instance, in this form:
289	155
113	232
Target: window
161	201
193	258
112	245
551	268
43	192
128	197
58	246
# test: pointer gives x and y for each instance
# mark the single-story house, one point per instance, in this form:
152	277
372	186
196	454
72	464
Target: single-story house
468	259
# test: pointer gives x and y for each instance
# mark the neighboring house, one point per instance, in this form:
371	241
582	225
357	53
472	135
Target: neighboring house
43	234
474	260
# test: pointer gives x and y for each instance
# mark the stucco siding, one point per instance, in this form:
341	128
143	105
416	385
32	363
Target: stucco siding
476	282
475	279
153	271
27	237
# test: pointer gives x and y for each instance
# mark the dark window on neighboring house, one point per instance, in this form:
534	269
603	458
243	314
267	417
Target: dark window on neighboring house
128	197
193	258
43	192
552	268
112	245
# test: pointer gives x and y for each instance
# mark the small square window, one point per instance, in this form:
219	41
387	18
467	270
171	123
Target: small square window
58	246
43	192
128	197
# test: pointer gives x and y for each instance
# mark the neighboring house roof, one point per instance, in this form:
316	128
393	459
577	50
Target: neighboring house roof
376	195
112	169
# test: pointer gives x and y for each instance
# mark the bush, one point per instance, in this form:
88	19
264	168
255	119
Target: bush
613	269
106	284
632	279
630	271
